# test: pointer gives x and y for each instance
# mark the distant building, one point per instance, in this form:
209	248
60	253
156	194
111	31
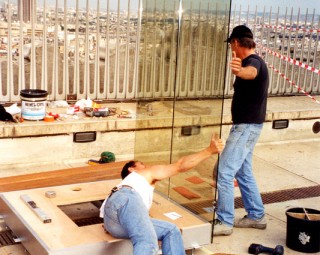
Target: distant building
26	7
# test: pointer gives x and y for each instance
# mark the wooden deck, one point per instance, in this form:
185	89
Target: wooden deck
90	173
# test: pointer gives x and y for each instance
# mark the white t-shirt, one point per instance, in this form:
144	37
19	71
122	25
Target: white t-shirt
140	185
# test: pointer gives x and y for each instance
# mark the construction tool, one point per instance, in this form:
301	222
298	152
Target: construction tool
33	206
105	157
258	248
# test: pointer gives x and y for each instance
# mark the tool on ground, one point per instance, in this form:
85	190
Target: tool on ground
258	248
33	206
50	194
48	118
96	112
105	157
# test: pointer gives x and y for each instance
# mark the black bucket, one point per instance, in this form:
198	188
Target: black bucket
303	230
33	104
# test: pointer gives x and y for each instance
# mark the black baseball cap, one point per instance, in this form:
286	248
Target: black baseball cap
241	31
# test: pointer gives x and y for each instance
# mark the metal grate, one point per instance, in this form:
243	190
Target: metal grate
88	221
267	198
7	237
284	195
84	214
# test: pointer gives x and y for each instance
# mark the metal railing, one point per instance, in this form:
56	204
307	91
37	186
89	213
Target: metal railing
148	49
289	42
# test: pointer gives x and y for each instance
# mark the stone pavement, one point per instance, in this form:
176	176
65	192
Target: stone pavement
277	166
284	159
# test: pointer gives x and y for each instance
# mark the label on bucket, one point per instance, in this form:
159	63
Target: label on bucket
33	110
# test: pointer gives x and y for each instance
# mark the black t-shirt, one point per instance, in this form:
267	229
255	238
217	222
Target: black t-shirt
249	101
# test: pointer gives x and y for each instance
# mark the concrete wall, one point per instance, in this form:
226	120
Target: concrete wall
148	137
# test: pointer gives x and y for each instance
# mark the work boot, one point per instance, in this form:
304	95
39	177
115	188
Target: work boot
246	222
221	229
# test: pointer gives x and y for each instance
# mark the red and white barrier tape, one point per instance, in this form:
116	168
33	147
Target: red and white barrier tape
291	60
292	83
290	28
295	85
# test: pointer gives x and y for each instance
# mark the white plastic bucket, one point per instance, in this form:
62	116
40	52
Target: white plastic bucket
33	104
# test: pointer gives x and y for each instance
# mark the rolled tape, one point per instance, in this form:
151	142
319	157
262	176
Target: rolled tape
48	118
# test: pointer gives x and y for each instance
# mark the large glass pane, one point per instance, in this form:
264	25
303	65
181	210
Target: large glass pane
182	62
157	80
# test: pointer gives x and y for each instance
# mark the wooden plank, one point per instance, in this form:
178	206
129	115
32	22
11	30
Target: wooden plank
108	171
161	204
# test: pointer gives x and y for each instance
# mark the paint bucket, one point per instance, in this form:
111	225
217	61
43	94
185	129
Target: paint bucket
303	230
33	104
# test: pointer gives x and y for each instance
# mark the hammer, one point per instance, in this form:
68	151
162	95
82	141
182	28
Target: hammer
258	248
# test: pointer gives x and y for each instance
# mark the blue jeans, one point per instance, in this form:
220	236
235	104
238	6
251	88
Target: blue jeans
126	216
236	162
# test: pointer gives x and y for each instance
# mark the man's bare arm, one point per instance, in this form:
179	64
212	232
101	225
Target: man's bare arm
247	73
160	172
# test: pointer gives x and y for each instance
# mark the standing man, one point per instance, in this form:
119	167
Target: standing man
248	110
126	210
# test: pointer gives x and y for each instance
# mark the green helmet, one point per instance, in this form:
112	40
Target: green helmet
107	157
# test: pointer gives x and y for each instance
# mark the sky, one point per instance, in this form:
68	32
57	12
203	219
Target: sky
282	4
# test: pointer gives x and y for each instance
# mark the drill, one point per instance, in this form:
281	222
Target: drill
258	248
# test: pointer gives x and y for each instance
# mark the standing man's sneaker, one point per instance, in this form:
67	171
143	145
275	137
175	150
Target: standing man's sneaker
246	222
221	229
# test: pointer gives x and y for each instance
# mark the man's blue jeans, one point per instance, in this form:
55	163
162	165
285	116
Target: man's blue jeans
126	216
236	162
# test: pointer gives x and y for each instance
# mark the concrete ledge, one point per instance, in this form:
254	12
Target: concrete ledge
187	113
204	113
146	130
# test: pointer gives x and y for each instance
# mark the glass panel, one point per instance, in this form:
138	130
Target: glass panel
157	79
183	42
